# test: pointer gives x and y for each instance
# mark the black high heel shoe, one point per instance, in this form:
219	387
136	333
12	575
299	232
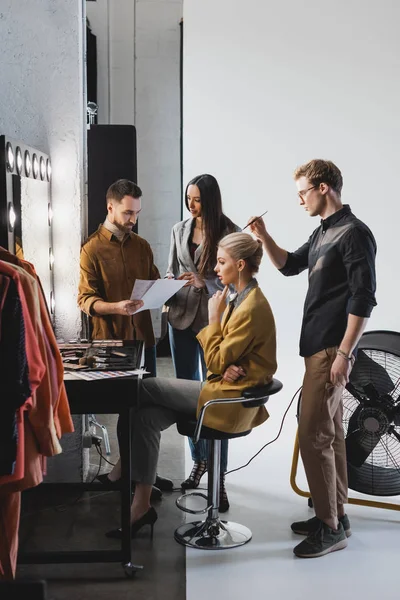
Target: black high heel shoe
192	482
149	518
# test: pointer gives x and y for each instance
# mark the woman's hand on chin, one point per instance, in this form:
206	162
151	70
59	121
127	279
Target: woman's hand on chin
217	305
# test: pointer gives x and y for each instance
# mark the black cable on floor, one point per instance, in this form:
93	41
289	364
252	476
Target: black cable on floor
66	505
272	441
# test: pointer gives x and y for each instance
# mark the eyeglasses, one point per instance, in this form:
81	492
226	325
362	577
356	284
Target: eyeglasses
302	193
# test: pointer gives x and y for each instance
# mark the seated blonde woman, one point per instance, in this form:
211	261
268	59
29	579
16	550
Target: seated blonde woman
240	351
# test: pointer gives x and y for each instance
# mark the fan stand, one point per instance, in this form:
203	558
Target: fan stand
358	501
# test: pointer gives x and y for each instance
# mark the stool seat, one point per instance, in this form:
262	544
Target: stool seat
260	393
273	387
188	426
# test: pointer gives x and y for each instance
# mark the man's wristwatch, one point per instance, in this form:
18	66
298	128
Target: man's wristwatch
343	354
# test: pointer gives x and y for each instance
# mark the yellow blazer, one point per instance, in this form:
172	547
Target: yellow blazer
247	338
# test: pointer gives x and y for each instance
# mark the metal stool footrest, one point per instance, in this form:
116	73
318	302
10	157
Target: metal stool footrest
212	534
202	511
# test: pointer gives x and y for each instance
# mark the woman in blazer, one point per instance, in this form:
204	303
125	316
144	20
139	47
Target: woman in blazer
239	350
192	257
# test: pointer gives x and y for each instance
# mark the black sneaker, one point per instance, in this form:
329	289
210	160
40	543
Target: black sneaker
307	527
322	541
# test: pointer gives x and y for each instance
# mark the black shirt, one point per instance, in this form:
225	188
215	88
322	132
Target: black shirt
340	256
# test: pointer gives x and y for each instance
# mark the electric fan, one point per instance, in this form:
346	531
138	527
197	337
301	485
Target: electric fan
371	416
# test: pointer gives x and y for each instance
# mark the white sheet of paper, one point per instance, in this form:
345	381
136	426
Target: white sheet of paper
157	293
140	288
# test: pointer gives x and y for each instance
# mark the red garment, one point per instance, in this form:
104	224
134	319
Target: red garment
10	508
54	400
19	470
48	408
36	365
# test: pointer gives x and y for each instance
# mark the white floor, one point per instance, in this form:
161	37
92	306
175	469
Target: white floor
261	498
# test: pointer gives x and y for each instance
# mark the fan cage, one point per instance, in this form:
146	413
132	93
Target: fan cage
379	475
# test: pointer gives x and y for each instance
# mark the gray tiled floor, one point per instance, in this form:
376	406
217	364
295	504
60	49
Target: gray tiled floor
81	525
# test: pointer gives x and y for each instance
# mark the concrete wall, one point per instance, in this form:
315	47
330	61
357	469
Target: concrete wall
41	100
41	103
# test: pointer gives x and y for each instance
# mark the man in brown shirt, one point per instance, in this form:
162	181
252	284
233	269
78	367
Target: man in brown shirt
112	259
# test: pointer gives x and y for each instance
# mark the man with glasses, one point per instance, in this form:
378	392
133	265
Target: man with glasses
340	258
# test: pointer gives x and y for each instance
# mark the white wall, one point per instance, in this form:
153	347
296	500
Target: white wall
113	23
268	86
138	45
158	120
41	102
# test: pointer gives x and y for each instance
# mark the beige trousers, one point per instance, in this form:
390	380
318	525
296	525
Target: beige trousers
321	437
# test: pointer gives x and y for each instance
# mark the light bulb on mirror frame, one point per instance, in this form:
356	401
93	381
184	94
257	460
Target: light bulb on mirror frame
11	217
28	163
48	169
18	160
52	303
10	157
49	214
51	259
35	166
42	168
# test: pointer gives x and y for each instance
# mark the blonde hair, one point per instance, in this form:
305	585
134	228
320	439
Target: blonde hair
242	246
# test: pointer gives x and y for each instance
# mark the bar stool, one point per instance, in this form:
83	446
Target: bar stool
214	533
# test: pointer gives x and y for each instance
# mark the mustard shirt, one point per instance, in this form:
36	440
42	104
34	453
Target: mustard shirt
108	271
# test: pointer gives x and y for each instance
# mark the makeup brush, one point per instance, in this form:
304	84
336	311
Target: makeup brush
254	220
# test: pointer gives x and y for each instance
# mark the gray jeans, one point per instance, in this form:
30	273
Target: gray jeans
161	402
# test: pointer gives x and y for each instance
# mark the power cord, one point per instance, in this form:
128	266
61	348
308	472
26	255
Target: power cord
265	445
272	441
98	448
97	445
66	505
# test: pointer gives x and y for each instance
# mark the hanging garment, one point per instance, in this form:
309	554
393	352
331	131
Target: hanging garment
13	372
53	393
10	508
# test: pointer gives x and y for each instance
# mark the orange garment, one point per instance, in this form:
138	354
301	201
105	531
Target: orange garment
49	415
10	499
33	463
36	365
61	412
10	508
19	469
61	415
10	504
41	414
